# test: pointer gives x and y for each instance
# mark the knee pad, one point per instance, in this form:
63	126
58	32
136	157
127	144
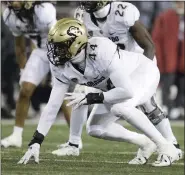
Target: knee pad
95	131
156	116
122	111
117	110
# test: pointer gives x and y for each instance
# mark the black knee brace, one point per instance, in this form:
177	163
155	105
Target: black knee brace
156	116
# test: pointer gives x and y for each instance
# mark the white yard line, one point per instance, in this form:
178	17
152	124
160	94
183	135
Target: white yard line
87	161
61	121
5	151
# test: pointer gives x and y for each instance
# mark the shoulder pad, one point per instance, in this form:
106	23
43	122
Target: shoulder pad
102	51
46	12
125	13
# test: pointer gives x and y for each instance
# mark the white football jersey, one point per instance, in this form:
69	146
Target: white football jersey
99	55
122	16
43	18
97	62
78	14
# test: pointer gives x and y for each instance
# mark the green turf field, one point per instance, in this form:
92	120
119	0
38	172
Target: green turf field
98	157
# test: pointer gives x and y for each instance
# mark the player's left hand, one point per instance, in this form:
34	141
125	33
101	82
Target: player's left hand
33	151
76	99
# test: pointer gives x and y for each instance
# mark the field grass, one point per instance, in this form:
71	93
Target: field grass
98	157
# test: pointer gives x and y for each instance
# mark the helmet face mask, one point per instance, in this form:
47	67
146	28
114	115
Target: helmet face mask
89	6
58	53
65	40
93	6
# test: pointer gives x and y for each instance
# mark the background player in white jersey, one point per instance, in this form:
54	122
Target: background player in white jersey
119	21
98	63
32	20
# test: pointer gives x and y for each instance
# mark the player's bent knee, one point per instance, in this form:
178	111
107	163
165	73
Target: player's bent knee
95	131
27	90
122	111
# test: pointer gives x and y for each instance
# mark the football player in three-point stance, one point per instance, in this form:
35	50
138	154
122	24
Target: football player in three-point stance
119	21
31	19
124	79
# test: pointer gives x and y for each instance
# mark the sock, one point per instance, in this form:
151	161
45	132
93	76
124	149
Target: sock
17	131
116	132
71	144
139	120
78	118
164	128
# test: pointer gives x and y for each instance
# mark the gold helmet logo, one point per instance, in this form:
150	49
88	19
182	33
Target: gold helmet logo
74	31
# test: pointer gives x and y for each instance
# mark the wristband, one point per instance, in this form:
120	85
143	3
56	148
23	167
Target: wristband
93	98
37	138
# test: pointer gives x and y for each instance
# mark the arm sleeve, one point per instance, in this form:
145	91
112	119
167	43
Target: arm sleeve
50	112
121	80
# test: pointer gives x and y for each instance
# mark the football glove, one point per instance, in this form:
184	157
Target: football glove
79	99
33	151
76	99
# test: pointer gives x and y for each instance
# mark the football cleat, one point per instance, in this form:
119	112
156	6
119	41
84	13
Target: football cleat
162	161
67	151
143	154
67	143
167	155
138	160
12	140
180	153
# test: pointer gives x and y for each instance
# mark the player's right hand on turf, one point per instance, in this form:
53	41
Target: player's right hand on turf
33	151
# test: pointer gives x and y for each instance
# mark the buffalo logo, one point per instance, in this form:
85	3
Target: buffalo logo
74	31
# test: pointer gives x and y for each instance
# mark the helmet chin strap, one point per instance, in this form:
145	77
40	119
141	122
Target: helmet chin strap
102	13
79	58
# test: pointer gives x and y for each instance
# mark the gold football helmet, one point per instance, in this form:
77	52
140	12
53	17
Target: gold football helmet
65	40
17	5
